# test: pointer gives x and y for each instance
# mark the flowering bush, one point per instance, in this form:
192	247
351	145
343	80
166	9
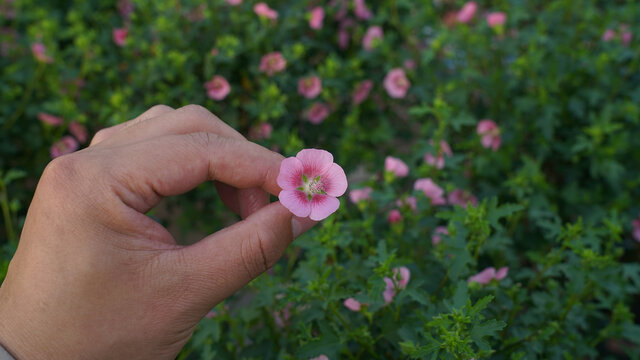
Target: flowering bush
491	149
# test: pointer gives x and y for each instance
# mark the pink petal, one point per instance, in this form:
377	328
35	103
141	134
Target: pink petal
502	273
352	304
314	161
404	276
296	201
483	277
334	181
322	206
290	176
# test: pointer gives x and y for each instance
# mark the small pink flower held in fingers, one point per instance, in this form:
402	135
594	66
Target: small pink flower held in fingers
311	183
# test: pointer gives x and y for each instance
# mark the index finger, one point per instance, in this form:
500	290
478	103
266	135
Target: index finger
174	164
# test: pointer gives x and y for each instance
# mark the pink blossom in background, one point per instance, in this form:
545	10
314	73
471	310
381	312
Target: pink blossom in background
430	190
410	201
66	145
352	304
462	198
608	35
321	357
282	317
495	19
120	36
310	86
490	133
214	52
262	9
217	88
438	161
361	10
396	166
211	314
625	34
317	16
436	237
234	2
343	32
79	131
311	183
373	34
39	51
125	8
401	276
317	113
358	195
483	277
636	229
396	83
502	273
409	64
262	131
272	63
361	92
50	119
394	216
467	12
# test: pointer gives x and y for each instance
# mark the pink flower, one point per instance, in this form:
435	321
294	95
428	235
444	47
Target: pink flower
488	274
211	314
373	35
352	304
39	51
410	201
272	63
497	18
396	83
321	357
430	190
311	183
310	86
483	277
394	216
502	273
636	229
262	9
396	166
438	161
467	12
462	198
66	145
125	8
343	38
436	236
234	2
490	134
120	36
317	16
282	317
625	34
217	88
608	35
358	195
361	92
401	276
262	131
214	52
317	113
361	10
409	64
50	119
79	131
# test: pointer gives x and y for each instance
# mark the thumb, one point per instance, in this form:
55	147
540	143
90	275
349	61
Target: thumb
227	260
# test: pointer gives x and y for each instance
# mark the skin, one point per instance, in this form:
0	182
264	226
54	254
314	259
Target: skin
95	278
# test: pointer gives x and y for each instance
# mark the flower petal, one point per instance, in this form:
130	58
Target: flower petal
290	176
322	206
296	202
314	161
334	181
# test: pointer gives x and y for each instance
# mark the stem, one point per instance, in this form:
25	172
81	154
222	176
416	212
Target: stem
6	211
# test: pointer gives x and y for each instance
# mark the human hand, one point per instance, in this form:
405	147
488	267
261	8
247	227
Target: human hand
94	277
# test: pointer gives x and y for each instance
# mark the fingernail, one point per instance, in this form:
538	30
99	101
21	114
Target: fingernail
300	225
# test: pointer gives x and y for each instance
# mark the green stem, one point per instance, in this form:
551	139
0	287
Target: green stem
6	211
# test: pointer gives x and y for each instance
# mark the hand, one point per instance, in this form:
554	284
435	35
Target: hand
94	277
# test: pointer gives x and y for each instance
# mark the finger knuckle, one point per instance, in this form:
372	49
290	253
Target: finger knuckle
197	111
100	136
160	108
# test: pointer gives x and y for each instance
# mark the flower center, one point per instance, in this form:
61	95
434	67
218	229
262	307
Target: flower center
311	186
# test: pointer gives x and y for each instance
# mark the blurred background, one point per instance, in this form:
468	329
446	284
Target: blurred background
476	135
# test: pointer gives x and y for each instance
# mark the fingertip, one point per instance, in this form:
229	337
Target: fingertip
301	225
